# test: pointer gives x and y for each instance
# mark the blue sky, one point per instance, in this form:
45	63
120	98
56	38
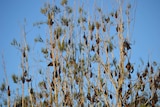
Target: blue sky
11	22
146	30
145	36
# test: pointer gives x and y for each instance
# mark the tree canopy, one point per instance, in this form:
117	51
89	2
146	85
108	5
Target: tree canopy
85	59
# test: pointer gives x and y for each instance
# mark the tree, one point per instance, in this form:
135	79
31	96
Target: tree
86	59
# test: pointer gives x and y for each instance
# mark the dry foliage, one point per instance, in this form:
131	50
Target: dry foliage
86	60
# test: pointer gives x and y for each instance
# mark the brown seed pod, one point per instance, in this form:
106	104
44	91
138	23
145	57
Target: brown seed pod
115	73
98	40
51	55
50	64
98	51
28	79
92	27
91	74
57	36
52	85
107	20
9	93
151	70
53	45
132	68
56	63
117	28
31	91
105	92
126	45
142	88
150	80
23	79
24	54
120	90
84	36
69	41
40	95
145	73
124	53
111	74
116	14
104	29
127	96
56	74
110	96
92	48
148	64
89	96
107	49
155	98
59	70
128	66
25	73
129	85
86	42
50	22
104	71
103	84
119	76
98	25
44	85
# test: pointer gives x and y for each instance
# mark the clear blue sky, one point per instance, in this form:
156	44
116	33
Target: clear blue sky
146	32
11	21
